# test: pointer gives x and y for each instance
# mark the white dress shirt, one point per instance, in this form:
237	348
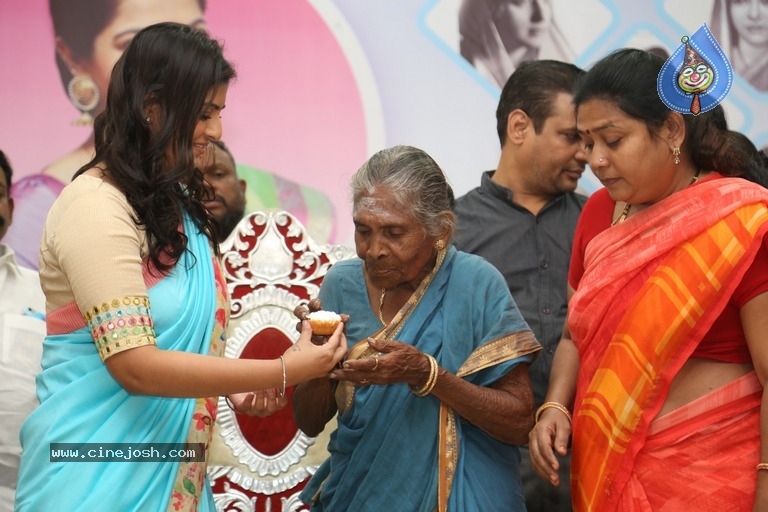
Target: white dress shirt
22	329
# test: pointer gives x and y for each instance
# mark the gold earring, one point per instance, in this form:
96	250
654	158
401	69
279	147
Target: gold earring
676	153
84	95
440	245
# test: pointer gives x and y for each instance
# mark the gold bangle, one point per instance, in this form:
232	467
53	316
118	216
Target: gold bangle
762	465
553	405
281	392
431	380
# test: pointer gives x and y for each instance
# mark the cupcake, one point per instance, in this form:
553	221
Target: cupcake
323	323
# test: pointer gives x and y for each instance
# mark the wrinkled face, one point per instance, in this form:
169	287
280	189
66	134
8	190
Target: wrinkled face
393	245
637	167
227	205
6	206
130	17
555	155
695	78
750	18
523	22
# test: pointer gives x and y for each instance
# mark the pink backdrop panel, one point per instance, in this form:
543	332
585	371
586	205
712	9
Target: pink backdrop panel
294	111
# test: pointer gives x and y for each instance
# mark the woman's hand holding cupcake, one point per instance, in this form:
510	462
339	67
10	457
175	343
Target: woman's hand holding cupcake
323	323
307	359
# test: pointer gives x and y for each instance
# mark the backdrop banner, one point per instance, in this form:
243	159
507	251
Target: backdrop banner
323	84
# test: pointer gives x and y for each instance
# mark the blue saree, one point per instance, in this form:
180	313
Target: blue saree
395	451
80	402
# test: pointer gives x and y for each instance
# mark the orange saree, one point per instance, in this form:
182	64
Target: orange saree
651	290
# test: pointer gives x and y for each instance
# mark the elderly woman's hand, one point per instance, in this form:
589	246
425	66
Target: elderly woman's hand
262	403
548	439
393	362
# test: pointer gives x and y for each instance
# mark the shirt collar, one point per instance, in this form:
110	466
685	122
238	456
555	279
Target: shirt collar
506	194
494	188
8	259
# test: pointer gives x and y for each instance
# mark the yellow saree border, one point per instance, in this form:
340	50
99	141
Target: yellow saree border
490	354
677	300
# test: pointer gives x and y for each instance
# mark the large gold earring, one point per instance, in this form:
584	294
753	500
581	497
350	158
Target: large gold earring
84	95
676	154
440	245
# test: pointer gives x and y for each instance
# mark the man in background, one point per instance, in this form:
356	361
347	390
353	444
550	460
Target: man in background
22	329
522	218
227	204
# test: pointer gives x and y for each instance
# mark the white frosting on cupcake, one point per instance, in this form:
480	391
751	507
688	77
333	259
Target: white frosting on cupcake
324	316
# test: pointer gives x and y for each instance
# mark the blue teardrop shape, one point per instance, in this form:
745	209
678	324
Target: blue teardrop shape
703	43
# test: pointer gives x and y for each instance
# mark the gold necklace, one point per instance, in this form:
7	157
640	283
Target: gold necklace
625	211
623	215
381	306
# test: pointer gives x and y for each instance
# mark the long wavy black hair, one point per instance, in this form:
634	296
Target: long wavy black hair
627	78
175	69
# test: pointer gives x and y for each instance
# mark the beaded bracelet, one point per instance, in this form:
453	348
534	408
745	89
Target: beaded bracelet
553	405
281	393
762	465
431	380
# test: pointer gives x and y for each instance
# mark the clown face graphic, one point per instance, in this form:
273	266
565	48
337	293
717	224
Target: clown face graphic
696	77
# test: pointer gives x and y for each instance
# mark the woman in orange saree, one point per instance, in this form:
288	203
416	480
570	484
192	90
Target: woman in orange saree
662	359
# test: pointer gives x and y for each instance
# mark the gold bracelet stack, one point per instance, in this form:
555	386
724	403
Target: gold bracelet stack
431	380
762	465
281	394
553	405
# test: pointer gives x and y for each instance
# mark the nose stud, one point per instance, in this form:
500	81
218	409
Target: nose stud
601	160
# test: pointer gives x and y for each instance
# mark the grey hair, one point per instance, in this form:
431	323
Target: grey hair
417	182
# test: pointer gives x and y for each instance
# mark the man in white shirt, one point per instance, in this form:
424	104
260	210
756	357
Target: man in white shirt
22	329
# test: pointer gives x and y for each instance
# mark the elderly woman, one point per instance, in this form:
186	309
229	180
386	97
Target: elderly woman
434	394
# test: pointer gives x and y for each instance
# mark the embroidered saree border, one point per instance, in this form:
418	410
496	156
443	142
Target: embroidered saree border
490	354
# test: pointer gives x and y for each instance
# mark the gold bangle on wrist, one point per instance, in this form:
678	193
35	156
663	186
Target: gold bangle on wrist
431	380
281	391
762	465
553	405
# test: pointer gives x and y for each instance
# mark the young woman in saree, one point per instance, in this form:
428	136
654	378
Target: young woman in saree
136	303
665	354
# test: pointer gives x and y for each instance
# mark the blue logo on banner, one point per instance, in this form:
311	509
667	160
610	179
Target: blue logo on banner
697	76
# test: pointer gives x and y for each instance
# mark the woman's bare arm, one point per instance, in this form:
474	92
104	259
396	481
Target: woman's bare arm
754	320
149	370
314	405
550	435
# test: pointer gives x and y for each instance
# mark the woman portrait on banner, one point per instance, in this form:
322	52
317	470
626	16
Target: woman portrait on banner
665	353
136	303
741	28
495	36
90	36
435	394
